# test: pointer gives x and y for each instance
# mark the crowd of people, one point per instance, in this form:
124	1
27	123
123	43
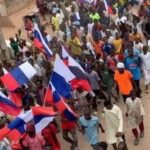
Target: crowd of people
110	40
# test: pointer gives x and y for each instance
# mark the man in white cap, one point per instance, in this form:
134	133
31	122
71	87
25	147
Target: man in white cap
124	80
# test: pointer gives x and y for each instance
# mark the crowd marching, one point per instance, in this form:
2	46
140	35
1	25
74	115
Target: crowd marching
79	55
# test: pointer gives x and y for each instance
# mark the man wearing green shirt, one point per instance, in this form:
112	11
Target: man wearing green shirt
14	45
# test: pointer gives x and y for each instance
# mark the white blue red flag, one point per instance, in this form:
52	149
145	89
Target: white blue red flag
40	42
61	78
41	116
18	76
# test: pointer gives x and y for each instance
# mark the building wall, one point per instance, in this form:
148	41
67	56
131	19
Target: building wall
3	10
8	7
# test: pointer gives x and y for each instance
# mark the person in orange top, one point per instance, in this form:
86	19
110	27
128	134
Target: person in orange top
135	35
124	80
98	45
117	42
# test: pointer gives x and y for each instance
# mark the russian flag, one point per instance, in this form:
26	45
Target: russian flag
7	106
17	127
60	104
14	96
107	7
61	78
40	42
18	76
77	70
41	116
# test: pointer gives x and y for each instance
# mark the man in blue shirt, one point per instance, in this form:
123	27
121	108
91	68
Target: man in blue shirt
133	64
89	127
107	47
136	52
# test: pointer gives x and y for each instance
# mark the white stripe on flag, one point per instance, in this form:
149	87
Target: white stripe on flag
43	123
28	70
61	69
41	37
71	61
26	116
3	95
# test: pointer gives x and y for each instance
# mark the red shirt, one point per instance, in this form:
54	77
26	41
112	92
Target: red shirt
49	135
66	124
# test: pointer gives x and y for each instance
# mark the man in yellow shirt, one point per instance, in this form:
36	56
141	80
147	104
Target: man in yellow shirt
117	42
135	35
55	21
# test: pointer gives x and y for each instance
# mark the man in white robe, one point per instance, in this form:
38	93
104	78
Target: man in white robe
114	123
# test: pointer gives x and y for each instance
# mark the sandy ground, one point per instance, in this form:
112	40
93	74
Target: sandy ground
11	24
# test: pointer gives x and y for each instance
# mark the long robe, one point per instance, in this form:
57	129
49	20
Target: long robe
114	123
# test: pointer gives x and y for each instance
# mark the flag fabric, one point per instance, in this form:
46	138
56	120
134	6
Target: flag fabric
41	116
8	107
16	98
17	126
107	7
40	42
18	76
59	102
61	78
77	70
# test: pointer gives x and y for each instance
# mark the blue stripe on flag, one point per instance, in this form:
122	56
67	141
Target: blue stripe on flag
38	118
19	76
56	97
37	36
69	115
60	84
7	101
17	124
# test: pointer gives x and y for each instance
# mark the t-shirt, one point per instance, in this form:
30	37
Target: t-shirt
112	62
91	129
133	36
145	61
94	79
66	124
90	26
49	133
55	22
15	47
136	52
107	48
124	81
132	64
118	45
35	143
98	47
95	16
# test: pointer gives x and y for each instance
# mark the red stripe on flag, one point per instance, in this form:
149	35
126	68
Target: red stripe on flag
16	98
43	111
84	83
61	106
14	135
9	110
38	44
10	82
48	96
